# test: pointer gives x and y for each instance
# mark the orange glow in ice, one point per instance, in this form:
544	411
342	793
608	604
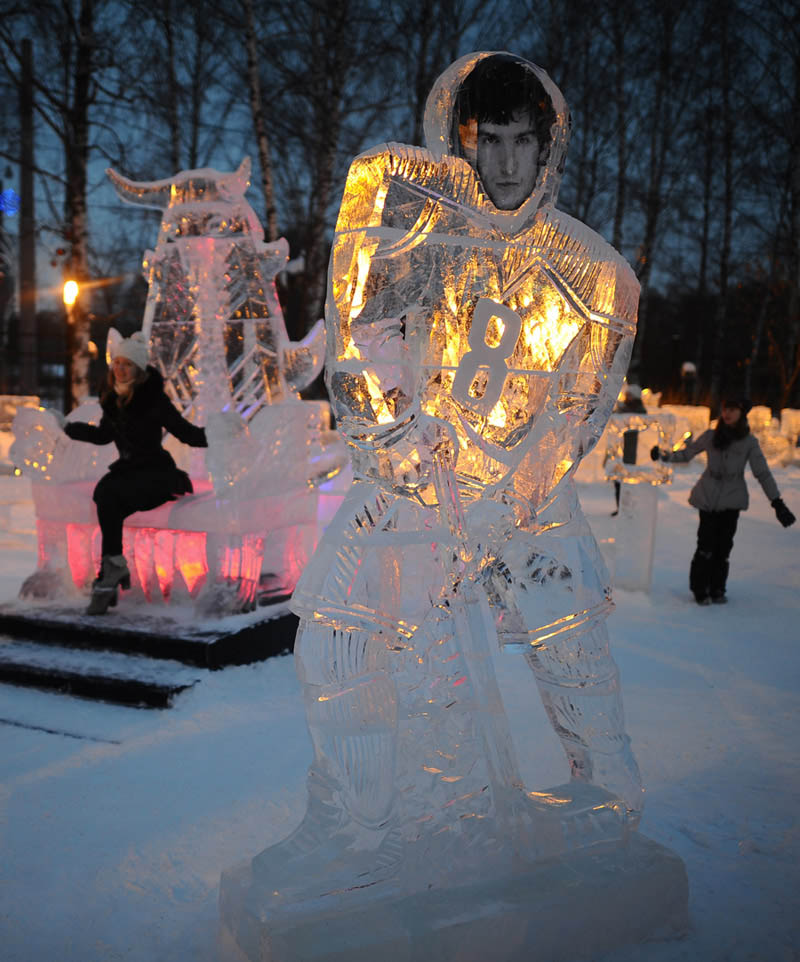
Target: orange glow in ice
190	559
80	562
163	548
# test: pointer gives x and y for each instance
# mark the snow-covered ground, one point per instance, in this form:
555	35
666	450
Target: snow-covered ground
115	823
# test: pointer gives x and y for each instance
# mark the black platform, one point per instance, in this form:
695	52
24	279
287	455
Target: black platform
136	654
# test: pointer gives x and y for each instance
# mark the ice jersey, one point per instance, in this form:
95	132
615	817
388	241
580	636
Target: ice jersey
513	337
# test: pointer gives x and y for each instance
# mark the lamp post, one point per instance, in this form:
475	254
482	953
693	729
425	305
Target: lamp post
69	295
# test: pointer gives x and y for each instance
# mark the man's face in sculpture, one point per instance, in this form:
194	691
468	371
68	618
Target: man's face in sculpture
507	160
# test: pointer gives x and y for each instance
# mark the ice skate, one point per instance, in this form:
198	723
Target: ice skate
328	852
615	777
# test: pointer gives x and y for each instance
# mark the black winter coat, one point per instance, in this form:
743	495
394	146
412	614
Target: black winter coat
137	429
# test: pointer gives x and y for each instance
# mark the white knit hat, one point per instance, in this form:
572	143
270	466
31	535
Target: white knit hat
134	348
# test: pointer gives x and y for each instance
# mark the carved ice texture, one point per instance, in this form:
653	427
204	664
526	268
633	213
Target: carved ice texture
777	448
217	334
474	357
629	439
690	420
790	429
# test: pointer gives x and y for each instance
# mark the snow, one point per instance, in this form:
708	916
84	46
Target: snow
84	662
115	823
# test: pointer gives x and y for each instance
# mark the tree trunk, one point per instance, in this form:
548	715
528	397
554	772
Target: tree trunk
660	140
28	381
721	315
708	177
709	116
422	80
793	340
761	318
259	121
788	373
198	85
331	34
172	92
77	164
583	188
618	35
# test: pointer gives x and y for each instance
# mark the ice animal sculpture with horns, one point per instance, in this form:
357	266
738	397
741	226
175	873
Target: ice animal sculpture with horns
477	341
212	317
217	335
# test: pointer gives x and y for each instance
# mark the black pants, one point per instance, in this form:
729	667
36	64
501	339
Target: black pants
709	571
120	494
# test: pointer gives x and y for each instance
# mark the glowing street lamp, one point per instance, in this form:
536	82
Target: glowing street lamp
69	296
71	291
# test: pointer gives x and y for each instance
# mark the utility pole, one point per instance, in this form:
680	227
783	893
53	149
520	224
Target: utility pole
28	380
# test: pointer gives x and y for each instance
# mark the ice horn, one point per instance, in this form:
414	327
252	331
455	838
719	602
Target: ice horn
154	193
237	182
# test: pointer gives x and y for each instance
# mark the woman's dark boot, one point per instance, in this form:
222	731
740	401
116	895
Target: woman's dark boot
700	576
719	578
114	574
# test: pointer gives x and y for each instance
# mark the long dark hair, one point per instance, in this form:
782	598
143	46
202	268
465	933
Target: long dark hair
724	435
499	87
107	388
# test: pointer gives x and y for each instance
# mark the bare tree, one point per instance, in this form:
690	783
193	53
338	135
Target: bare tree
621	22
322	64
257	108
686	142
726	105
426	36
661	134
66	90
177	102
767	186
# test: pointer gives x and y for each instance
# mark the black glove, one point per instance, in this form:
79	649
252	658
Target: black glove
656	453
782	513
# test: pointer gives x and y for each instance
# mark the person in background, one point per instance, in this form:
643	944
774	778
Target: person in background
135	413
629	402
721	493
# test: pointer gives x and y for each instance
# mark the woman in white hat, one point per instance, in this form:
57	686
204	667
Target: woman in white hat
136	411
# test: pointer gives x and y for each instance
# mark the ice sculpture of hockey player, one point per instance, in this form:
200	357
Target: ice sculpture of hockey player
215	332
477	341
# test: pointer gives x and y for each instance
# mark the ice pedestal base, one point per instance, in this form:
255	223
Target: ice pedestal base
636	536
575	907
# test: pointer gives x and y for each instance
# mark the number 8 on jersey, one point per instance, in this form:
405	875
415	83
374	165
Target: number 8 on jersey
483	356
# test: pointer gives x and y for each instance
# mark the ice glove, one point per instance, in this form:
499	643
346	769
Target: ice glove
223	426
60	419
783	514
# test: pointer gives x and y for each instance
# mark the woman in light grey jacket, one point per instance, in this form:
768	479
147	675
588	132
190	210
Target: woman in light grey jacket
721	493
